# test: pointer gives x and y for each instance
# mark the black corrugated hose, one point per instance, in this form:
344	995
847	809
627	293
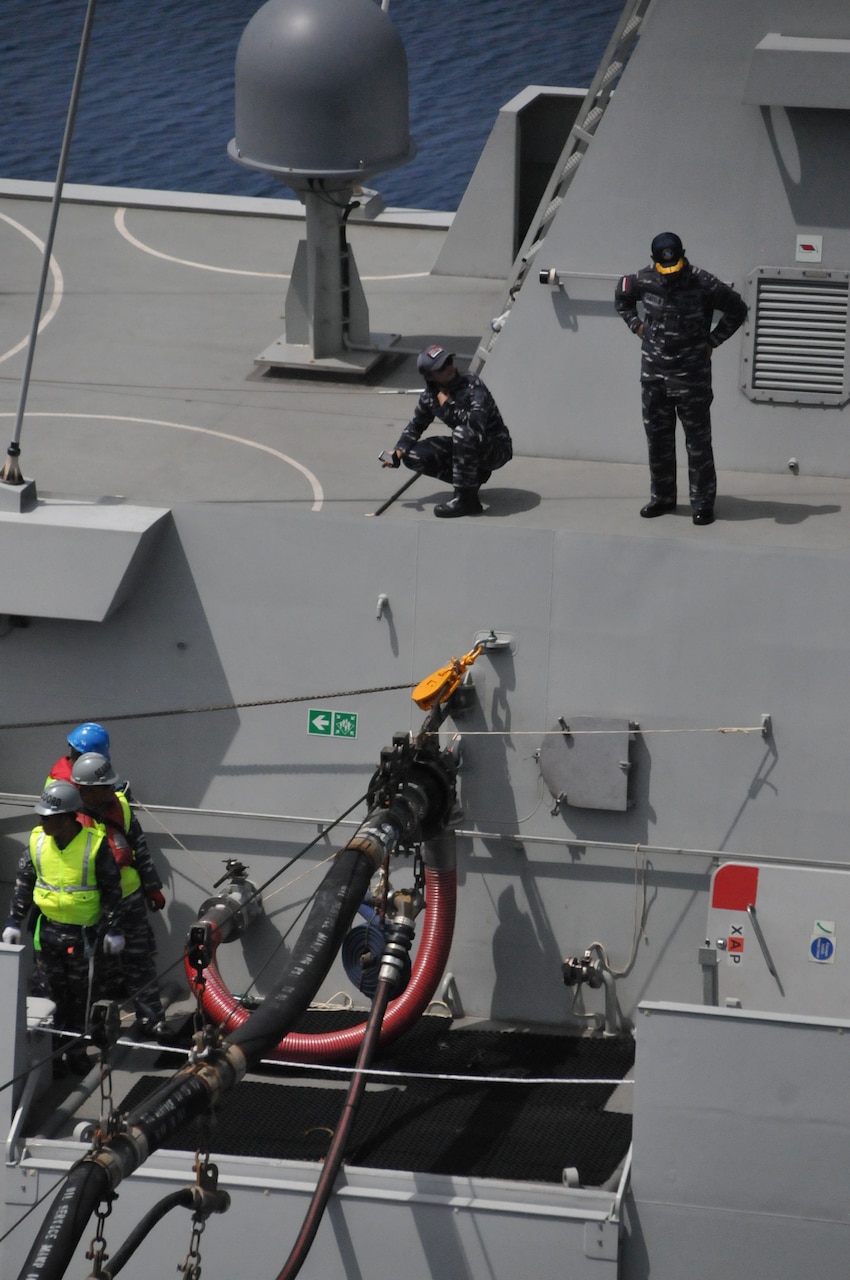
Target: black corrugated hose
85	1187
333	909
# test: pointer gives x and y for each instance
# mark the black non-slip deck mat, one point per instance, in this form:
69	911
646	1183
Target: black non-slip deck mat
525	1132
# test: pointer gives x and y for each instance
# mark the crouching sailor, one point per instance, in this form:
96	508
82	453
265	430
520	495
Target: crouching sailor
479	444
68	883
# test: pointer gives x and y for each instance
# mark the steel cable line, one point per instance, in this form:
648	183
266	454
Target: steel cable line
219	706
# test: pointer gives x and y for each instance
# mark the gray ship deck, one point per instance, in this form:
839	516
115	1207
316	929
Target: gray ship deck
145	391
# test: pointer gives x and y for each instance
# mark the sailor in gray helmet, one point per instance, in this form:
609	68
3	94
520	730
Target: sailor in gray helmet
678	304
479	444
104	804
68	888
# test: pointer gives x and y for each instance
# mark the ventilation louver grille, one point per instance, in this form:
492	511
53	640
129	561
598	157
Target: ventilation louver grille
799	337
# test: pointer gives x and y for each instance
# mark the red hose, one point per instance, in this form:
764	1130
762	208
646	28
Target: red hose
333	1046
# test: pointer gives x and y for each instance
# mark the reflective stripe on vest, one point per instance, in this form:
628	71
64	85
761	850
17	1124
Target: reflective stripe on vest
66	883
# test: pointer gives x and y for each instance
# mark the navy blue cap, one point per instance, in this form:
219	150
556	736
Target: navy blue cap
667	251
433	358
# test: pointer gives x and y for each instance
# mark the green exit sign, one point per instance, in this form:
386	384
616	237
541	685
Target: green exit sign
332	724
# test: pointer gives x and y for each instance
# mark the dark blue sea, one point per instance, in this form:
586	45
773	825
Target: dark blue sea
156	108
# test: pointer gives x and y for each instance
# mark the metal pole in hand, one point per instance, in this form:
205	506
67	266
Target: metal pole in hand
11	473
389	502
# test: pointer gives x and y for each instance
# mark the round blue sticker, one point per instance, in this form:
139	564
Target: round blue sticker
822	948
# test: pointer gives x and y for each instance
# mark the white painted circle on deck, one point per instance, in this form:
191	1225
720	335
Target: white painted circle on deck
58	287
121	228
318	493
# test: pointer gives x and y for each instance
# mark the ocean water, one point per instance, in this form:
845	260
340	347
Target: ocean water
156	108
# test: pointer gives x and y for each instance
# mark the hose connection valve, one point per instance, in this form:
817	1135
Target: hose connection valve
588	969
231	913
592	969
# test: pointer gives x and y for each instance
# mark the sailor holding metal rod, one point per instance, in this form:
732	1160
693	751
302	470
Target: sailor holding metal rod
479	444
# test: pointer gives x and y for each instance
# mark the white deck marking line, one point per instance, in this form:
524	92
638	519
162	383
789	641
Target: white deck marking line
58	287
121	228
318	492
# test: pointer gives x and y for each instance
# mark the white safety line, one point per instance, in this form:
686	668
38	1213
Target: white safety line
121	227
58	287
318	492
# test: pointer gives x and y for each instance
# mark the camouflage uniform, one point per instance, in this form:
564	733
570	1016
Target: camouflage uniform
62	951
479	444
675	371
135	968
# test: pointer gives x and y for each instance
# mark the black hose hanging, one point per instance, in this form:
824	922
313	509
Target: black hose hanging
397	950
85	1187
184	1198
206	1202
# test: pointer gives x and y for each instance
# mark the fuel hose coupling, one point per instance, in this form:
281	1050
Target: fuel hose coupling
396	950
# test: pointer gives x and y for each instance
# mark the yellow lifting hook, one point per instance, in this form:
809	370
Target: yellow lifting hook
440	685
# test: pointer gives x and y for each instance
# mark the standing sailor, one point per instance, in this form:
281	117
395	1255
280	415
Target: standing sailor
141	887
678	303
69	876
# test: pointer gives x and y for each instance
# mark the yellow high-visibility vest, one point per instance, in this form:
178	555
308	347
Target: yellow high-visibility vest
66	885
130	879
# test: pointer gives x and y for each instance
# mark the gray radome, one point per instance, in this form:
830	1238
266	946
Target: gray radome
321	91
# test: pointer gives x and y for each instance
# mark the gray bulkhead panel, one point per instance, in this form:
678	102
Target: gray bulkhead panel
682	147
781	937
48	545
725	1102
630	628
390	1224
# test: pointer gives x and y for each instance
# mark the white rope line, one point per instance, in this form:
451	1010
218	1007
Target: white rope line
379	1073
376	1072
308	871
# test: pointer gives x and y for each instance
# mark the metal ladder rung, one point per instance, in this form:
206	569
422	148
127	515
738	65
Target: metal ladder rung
579	138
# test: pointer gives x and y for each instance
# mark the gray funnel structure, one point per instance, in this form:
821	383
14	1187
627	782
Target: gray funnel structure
321	103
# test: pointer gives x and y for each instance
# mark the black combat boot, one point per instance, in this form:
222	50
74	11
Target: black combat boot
464	503
656	508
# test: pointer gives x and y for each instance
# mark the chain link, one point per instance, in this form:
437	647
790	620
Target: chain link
206	1181
205	1037
96	1252
108	1117
191	1267
109	1124
418	869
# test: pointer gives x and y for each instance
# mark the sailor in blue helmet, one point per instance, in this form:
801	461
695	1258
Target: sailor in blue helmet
678	302
479	442
85	737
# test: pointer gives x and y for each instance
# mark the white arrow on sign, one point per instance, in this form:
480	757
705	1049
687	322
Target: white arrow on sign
321	722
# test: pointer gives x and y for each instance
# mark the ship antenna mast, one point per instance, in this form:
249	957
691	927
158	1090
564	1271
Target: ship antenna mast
11	473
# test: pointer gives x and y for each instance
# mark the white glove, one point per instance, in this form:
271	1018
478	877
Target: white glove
11	935
113	944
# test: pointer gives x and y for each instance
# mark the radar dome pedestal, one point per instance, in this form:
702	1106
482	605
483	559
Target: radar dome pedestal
321	99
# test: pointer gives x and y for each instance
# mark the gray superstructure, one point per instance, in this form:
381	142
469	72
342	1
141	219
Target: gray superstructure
652	767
